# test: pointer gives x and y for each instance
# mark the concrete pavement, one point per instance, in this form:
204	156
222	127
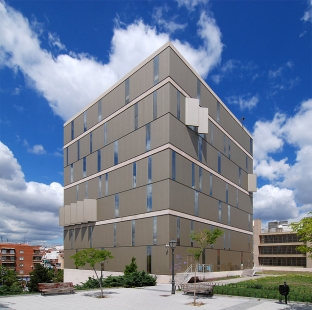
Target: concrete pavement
157	297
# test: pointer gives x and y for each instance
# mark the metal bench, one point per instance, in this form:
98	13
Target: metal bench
56	288
201	288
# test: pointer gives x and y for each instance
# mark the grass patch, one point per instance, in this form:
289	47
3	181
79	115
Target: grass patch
267	287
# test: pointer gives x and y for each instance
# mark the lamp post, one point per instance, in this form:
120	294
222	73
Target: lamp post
173	244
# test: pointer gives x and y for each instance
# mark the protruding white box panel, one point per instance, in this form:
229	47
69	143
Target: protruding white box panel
79	212
191	111
252	182
73	213
90	210
67	215
61	216
203	120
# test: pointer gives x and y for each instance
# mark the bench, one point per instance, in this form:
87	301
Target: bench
56	288
201	288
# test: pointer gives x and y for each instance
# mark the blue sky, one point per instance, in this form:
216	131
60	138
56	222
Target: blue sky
57	56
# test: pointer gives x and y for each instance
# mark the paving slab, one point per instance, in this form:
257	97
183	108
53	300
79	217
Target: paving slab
156	297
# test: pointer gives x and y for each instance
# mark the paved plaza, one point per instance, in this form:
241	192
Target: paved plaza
157	297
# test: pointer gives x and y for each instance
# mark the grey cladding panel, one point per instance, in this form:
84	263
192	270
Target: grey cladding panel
72	153
67	133
164	58
92	115
113	100
209	101
161	166
85	146
98	138
78	125
161	195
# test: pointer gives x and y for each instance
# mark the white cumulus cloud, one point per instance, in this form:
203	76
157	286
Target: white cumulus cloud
27	206
244	101
64	80
191	4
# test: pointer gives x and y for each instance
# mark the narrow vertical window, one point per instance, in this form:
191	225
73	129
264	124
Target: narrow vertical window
136	113
116	152
200	148
99	160
249	222
134	173
196	203
200	172
116	205
178	105
84	167
229	239
219	162
198	89
229	154
173	165
218	111
78	149
85	121
210	179
106	184
71	173
105	134
211	133
178	230
229	215
149	198
71	238
226	193
72	131
154	230
154	104
192	229
193	175
100	187
247	163
67	156
250	146
86	190
224	144
90	142
115	234
220	211
236	197
133	233
77	192
99	110
149	169
149	259
156	69
239	176
127	91
148	137
90	228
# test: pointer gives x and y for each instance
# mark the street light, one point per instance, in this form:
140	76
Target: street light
173	244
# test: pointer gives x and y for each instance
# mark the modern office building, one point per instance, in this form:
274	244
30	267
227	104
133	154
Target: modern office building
277	246
156	156
20	257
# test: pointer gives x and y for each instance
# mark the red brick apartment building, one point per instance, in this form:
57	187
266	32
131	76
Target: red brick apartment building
21	257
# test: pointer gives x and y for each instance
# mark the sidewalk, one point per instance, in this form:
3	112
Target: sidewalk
156	297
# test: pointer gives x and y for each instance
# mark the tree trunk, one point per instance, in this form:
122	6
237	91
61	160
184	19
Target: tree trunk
100	282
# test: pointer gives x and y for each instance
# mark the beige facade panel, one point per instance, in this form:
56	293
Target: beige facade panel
84	241
91	164
160	260
163	105
61	216
182	75
244	202
67	175
90	210
93	188
69	195
79	212
162	229
252	182
68	262
141	80
161	195
173	101
160	131
72	153
73	213
67	133
143	232
183	170
85	146
164	59
230	260
107	156
185	232
207	100
212	158
123	236
65	157
218	191
145	110
114	100
92	115
141	172
161	159
77	170
98	138
191	112
203	120
67	215
205	182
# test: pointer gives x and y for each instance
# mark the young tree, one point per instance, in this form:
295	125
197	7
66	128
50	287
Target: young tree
92	256
304	231
203	238
133	267
40	274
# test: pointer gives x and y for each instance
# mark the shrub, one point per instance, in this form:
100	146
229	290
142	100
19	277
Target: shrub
133	267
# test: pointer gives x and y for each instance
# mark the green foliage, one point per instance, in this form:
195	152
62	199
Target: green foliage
40	274
133	267
204	238
57	275
91	256
91	283
8	276
304	231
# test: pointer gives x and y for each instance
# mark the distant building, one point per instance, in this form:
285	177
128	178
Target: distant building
53	258
277	246
157	156
20	257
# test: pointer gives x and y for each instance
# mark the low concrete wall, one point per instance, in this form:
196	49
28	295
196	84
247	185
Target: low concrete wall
284	268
